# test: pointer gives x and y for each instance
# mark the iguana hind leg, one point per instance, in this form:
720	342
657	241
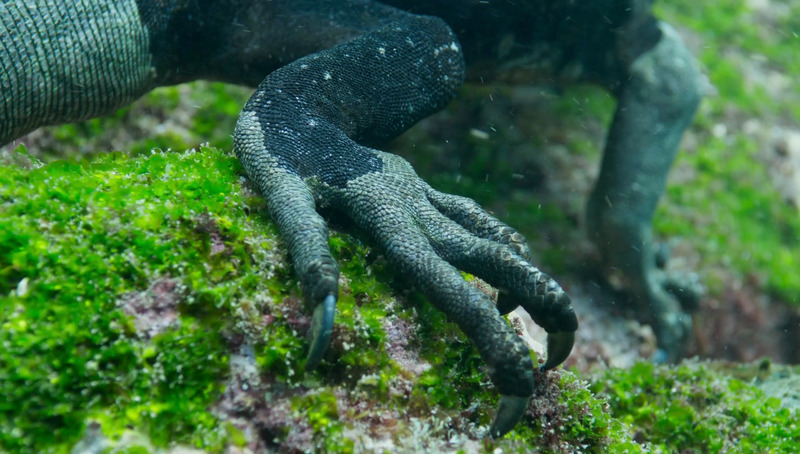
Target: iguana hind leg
656	102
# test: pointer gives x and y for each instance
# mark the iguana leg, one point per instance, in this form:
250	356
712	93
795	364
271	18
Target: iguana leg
302	139
657	101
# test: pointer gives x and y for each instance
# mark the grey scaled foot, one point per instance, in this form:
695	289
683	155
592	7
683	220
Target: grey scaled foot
304	138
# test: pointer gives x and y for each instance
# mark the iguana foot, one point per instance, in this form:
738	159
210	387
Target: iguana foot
671	324
661	298
430	236
303	139
677	295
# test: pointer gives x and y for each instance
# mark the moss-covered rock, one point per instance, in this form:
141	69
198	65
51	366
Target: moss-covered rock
96	261
147	302
704	407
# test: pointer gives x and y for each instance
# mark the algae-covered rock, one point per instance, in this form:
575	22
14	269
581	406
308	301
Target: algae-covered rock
148	305
706	406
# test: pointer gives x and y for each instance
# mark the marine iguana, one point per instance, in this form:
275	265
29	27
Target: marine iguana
343	77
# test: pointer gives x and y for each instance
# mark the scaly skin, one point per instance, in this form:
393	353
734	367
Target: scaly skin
343	77
304	106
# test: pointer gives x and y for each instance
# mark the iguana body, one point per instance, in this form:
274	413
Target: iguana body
345	76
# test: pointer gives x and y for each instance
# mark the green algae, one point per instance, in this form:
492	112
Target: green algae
587	422
87	247
694	408
321	410
75	239
80	238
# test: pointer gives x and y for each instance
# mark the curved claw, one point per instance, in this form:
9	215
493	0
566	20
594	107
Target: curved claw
559	345
506	303
321	328
509	411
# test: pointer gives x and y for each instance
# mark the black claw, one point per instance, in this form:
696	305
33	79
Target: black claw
509	411
506	303
321	328
559	345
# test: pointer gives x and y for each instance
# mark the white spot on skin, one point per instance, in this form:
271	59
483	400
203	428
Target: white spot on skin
327	76
312	122
451	47
382	51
